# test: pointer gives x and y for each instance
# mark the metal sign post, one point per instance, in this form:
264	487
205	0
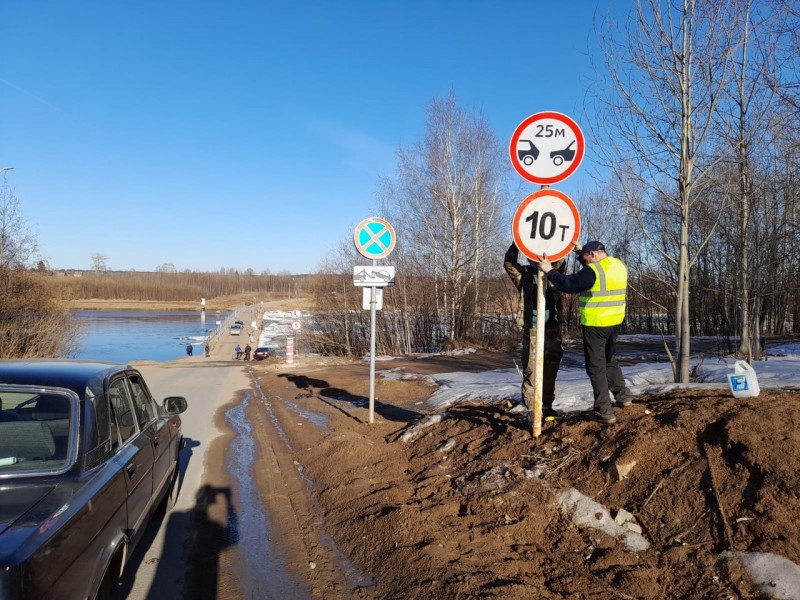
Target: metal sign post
536	418
372	312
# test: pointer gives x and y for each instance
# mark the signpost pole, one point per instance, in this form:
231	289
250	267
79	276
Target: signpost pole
539	369
372	311
538	383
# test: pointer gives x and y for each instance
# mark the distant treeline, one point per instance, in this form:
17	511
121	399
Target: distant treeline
170	287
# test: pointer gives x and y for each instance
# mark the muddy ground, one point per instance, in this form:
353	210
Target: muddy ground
467	508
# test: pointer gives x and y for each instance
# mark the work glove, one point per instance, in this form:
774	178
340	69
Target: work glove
545	265
578	249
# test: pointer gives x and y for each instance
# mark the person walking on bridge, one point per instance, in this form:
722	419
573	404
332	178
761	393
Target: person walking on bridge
602	284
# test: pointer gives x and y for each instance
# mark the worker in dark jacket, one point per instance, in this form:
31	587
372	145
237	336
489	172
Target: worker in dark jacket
525	280
602	284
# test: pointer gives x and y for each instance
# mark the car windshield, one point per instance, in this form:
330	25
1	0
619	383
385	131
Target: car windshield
35	430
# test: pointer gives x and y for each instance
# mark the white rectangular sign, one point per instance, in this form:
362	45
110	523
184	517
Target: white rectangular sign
378	298
374	276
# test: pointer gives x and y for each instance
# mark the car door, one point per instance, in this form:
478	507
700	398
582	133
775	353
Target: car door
135	450
156	426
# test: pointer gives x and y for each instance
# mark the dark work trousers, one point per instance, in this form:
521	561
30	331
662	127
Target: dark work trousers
553	353
599	345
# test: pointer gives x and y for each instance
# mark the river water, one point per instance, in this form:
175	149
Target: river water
126	335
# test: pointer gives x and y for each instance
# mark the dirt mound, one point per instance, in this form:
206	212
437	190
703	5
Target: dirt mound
467	507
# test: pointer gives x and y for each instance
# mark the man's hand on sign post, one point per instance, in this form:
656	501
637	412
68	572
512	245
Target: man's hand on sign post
545	265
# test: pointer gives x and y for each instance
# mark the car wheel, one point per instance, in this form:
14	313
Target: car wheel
171	497
109	582
106	587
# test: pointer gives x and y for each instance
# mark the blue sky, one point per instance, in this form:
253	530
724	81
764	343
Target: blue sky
253	134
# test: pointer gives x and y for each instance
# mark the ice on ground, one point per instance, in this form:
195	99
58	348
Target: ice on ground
574	392
418	427
775	576
588	513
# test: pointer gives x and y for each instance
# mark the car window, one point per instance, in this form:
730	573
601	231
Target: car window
35	430
143	403
123	417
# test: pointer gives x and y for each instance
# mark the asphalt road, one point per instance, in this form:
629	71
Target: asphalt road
156	568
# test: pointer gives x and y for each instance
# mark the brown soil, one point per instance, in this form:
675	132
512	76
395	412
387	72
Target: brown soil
466	509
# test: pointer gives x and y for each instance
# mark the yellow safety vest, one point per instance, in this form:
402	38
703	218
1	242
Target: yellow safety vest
604	304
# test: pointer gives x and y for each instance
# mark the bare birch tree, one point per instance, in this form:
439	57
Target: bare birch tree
445	203
667	75
18	246
750	103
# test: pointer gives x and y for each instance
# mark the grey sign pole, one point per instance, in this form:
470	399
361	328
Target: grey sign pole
372	311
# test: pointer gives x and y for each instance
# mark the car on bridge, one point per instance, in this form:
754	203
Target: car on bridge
261	353
87	456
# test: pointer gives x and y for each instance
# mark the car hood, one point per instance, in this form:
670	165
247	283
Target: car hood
16	501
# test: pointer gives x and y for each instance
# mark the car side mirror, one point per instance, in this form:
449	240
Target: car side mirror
175	405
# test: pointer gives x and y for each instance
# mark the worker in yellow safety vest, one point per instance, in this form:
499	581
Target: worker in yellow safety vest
602	284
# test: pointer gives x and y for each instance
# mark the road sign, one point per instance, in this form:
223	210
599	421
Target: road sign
547	148
295	325
374	276
296	314
366	298
374	238
546	222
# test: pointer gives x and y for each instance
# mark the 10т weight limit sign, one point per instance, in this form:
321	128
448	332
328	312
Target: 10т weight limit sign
546	223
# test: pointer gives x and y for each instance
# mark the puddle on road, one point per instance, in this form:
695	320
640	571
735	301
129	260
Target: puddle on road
320	420
262	568
355	579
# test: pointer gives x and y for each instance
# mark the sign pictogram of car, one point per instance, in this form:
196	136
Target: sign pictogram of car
363	275
374	276
531	154
565	155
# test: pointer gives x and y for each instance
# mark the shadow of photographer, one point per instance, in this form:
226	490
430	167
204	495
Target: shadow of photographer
214	527
193	541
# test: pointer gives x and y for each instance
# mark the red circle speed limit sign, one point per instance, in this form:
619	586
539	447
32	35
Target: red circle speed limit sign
546	222
547	148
